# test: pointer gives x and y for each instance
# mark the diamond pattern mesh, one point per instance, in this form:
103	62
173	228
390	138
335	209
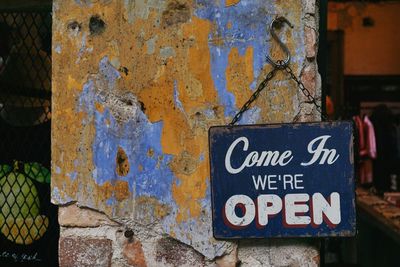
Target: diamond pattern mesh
29	229
20	204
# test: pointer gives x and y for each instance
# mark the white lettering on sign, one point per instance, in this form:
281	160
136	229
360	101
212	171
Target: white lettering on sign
287	181
320	152
261	182
323	210
268	206
295	209
298	181
254	158
247	206
298	210
273	181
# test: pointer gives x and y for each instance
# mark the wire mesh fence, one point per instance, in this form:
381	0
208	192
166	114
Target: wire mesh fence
29	229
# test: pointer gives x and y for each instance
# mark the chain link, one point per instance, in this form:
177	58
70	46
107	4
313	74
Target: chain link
281	65
305	91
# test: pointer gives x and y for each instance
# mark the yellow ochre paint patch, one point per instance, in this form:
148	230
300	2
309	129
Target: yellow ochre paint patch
231	2
239	75
196	90
99	107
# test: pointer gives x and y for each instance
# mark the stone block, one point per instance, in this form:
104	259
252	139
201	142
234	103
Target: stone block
309	79
85	252
309	6
74	216
311	43
170	252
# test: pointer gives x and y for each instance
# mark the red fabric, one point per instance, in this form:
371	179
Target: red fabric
367	148
330	108
360	127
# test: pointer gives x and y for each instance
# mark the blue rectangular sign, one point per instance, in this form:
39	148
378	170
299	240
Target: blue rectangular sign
282	180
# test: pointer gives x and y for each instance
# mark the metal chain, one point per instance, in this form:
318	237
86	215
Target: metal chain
305	91
281	65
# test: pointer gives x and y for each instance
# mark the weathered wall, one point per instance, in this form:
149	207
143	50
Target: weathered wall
136	85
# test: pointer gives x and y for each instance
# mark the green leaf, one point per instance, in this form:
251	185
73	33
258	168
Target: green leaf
4	170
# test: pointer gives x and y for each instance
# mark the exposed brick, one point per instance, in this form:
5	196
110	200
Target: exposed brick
317	260
311	43
312	81
309	79
133	253
309	7
172	252
74	216
307	113
83	252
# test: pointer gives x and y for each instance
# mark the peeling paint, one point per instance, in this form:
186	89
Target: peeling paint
149	210
122	162
134	116
231	2
175	13
167	52
151	45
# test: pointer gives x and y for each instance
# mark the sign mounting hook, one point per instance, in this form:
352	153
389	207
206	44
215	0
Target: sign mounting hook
278	23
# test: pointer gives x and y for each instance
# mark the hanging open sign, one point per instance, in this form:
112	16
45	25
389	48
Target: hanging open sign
283	180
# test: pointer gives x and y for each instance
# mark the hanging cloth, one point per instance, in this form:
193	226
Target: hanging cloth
367	149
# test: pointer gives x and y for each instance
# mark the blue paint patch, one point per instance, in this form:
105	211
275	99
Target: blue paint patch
136	137
108	72
86	101
251	116
82	49
249	20
58	49
83	2
209	113
206	203
201	158
111	201
58	170
57	198
72	176
177	102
